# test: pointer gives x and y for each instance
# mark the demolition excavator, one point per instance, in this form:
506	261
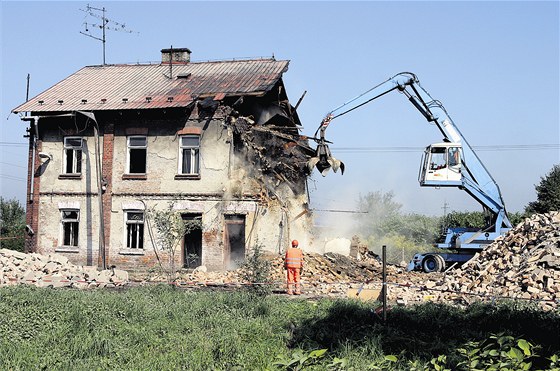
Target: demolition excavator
451	163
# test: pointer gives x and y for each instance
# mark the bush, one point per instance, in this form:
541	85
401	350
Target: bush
256	270
12	225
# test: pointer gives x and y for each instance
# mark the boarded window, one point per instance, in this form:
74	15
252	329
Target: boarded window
70	222
135	229
190	154
72	155
137	150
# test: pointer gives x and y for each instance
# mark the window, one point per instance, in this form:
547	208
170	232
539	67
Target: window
454	157
189	162
134	229
72	155
70	220
137	146
438	158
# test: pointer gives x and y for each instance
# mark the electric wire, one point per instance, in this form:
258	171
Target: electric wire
482	148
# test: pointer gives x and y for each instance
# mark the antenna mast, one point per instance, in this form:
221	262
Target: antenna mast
105	25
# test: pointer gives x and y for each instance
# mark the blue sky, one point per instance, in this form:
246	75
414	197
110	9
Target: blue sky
494	65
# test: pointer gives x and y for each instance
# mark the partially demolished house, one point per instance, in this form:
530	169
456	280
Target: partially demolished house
217	142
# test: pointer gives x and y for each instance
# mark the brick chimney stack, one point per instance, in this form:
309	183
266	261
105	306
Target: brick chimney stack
176	55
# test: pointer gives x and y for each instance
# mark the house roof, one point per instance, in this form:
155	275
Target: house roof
148	86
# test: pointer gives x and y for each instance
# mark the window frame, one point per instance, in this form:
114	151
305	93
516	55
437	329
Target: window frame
195	156
75	149
129	147
139	234
74	225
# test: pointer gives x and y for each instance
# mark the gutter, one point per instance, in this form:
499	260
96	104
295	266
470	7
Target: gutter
91	116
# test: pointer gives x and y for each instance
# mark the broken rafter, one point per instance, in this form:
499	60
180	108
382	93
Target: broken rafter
274	132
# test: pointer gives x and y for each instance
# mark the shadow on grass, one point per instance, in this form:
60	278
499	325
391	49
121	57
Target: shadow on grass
427	330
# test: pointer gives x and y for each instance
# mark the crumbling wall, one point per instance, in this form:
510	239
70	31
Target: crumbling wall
273	162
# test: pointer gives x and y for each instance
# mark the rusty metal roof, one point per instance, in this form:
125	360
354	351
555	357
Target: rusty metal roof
142	86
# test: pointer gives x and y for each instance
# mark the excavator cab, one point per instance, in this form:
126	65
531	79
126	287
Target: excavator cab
441	165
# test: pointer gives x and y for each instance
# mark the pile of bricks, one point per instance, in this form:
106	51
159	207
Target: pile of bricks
54	271
523	264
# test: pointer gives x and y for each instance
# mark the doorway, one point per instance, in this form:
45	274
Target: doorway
192	241
234	241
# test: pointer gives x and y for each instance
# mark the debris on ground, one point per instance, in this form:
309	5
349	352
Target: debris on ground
524	265
54	270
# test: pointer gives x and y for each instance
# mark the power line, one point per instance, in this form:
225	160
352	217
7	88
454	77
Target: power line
497	148
13	144
9	177
7	163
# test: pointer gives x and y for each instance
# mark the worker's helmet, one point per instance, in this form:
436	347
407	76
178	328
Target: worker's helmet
295	243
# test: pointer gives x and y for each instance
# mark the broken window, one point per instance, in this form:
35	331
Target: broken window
134	229
234	240
72	155
192	242
190	155
70	220
137	150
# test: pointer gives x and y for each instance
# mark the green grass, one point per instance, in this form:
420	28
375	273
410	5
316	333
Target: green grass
165	328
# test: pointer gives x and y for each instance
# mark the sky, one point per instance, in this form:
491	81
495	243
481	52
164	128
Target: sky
493	65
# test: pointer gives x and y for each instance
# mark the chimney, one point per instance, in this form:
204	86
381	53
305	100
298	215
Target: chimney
176	55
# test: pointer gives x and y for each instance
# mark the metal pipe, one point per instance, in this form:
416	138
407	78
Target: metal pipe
100	199
91	116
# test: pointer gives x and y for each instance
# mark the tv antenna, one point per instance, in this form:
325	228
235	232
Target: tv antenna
106	24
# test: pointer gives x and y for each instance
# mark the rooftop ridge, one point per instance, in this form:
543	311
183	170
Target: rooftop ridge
157	63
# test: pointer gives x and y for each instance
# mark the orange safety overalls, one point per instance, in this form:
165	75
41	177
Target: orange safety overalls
293	262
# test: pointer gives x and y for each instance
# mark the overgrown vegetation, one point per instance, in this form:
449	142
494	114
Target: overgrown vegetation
163	327
12	224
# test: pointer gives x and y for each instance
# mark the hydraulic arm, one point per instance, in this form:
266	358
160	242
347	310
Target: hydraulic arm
452	163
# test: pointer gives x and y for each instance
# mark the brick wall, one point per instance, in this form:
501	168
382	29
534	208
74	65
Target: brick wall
107	180
32	210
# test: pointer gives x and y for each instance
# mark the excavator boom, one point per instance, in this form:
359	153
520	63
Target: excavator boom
451	163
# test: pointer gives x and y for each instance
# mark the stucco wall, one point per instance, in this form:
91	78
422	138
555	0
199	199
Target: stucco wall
224	188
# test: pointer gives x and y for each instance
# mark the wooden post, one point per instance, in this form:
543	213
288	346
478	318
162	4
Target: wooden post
384	290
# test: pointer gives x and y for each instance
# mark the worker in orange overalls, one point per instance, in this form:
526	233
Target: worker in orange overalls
293	263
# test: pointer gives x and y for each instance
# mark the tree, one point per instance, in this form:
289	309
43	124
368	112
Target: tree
379	212
12	225
382	223
548	193
171	228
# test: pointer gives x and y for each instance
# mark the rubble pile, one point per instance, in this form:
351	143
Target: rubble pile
331	274
525	263
54	271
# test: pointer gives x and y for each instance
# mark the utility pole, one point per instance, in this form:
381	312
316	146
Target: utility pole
106	24
445	207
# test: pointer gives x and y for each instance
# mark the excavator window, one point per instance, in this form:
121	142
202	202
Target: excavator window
454	157
438	158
